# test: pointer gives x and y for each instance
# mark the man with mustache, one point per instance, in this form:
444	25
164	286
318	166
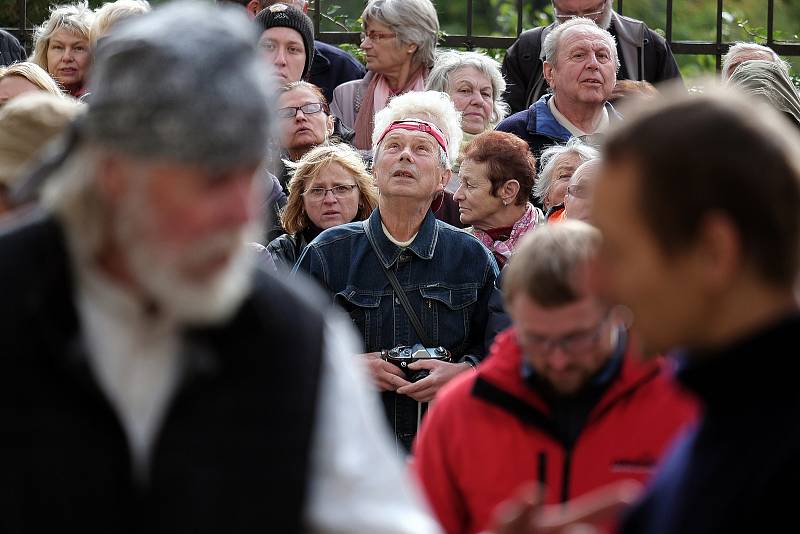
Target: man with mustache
152	379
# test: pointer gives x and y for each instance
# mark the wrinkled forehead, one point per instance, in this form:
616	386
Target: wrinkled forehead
585	36
579	6
409	136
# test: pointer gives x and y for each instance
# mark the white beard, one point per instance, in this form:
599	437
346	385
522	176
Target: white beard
157	267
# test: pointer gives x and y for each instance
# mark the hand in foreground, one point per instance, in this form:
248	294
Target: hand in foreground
524	514
386	376
441	373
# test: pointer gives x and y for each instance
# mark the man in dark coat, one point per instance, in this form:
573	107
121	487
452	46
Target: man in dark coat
684	251
10	49
151	379
644	54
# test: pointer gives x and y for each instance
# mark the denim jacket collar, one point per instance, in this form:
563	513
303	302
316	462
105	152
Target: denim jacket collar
423	246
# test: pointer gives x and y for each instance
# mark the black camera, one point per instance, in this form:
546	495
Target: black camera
404	355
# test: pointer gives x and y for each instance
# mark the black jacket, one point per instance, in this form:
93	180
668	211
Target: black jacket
643	55
332	67
286	249
10	49
232	454
740	469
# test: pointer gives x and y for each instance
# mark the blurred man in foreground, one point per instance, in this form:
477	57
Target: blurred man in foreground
152	381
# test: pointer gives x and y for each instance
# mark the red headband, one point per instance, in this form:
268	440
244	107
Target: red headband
416	125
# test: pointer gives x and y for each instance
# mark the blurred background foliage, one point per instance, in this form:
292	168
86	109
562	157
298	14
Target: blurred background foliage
693	20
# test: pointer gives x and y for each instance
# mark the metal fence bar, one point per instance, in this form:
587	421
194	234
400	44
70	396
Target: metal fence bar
770	21
469	25
519	16
317	15
22	35
669	22
718	56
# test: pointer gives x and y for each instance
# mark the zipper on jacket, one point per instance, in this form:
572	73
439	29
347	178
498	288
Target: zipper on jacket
542	474
566	474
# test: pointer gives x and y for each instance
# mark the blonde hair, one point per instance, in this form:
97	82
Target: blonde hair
28	123
34	74
76	18
110	13
294	217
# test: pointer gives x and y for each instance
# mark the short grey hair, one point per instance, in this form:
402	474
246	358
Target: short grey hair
756	51
77	18
414	22
449	61
553	39
549	158
431	106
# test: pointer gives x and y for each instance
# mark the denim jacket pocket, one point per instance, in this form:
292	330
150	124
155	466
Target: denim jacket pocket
364	310
447	311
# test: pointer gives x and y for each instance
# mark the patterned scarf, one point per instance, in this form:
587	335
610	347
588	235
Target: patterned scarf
504	249
375	98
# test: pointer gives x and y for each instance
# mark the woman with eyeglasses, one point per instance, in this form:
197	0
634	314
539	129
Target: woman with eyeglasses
557	164
305	121
578	200
330	187
399	40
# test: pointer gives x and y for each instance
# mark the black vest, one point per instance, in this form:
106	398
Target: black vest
232	454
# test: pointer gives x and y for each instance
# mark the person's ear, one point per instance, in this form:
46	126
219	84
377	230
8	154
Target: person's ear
508	191
547	70
253	6
112	179
329	127
718	252
446	175
412	48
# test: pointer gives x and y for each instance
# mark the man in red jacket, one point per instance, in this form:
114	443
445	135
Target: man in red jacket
562	399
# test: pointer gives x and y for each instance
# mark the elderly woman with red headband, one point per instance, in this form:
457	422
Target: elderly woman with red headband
406	278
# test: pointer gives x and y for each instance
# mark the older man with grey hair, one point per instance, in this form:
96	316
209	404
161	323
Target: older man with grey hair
740	52
580	66
406	279
152	381
644	54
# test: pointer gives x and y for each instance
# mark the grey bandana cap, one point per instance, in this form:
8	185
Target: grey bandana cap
183	83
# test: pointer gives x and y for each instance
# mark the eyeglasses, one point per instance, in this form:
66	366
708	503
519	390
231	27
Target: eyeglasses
573	344
579	192
307	109
374	36
589	14
339	191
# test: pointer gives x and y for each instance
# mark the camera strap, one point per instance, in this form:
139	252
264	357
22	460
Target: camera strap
399	293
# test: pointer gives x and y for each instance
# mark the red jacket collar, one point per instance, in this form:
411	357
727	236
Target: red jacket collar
502	369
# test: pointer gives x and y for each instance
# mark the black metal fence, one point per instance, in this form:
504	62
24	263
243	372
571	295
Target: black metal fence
716	48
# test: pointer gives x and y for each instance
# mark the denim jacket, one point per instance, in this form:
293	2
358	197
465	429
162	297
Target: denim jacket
446	273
